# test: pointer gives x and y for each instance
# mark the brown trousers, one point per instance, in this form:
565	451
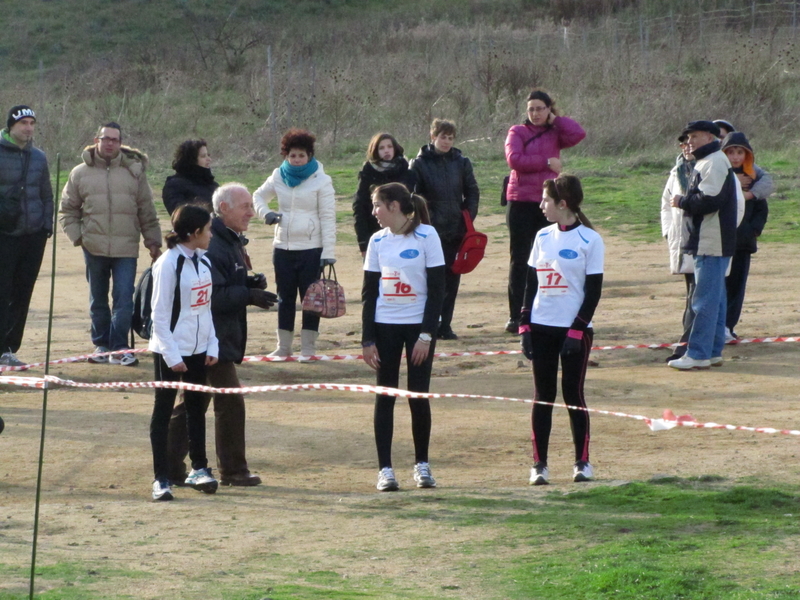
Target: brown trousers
229	419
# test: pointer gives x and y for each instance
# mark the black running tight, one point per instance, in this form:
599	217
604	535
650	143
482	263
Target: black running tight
547	342
391	341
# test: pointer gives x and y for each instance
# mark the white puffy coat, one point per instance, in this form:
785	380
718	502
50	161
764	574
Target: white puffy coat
674	224
674	227
309	212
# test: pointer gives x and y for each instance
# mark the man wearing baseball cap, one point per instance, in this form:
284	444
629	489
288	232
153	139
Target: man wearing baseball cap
26	221
711	214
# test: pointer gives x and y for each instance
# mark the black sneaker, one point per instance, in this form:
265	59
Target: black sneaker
512	326
446	333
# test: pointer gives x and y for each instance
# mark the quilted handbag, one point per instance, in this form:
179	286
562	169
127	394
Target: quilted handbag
325	297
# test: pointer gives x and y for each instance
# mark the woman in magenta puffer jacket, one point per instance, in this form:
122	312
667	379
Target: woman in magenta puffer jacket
533	153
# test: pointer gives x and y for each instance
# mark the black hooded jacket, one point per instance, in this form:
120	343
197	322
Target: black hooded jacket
447	182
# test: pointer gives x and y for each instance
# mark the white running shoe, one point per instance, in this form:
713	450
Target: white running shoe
730	336
9	359
422	475
161	490
687	363
202	480
126	359
539	475
386	480
716	361
99	360
582	471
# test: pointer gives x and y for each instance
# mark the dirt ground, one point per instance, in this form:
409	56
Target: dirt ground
318	509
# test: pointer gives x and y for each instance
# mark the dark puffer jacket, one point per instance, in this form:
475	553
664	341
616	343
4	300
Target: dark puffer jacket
195	185
230	294
365	223
447	182
37	209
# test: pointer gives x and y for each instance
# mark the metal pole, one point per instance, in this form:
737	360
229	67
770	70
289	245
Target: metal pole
46	373
271	91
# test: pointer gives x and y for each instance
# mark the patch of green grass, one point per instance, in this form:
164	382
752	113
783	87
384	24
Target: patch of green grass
667	539
68	581
672	540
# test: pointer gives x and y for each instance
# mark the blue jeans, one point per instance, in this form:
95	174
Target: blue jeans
709	304
110	327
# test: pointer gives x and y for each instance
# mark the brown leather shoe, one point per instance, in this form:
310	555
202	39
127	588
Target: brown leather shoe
248	480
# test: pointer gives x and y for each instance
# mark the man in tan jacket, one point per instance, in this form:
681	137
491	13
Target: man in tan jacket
106	206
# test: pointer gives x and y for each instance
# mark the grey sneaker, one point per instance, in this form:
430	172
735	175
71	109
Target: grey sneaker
386	480
422	475
9	359
202	481
99	360
126	359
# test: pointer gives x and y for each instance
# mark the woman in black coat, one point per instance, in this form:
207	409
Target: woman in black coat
385	164
193	181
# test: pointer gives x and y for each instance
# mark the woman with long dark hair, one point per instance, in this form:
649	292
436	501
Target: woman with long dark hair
403	291
184	343
193	181
533	153
385	164
564	283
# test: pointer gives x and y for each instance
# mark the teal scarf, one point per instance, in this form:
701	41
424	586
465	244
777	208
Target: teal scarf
294	176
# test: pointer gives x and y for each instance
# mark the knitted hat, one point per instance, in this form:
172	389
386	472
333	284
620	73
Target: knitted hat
707	126
18	113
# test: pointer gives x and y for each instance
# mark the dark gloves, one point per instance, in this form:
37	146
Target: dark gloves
262	298
324	262
573	343
259	281
272	218
526	341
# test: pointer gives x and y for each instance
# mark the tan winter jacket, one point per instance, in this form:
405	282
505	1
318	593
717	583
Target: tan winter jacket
106	208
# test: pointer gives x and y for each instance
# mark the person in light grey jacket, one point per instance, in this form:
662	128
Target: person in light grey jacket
674	230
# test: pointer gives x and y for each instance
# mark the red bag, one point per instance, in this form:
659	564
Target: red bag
325	297
471	250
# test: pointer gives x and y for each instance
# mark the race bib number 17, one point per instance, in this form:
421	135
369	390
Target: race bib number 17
551	281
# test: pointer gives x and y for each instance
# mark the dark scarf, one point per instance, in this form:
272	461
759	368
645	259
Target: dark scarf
197	174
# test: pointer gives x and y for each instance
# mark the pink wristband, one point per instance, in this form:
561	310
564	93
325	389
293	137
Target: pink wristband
523	329
575	334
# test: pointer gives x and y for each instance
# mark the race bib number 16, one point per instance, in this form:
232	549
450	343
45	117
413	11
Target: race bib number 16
396	288
551	281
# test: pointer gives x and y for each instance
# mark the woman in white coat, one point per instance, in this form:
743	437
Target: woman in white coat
673	229
305	233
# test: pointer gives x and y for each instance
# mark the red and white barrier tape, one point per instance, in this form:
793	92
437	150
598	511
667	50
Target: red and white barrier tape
667	421
329	357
